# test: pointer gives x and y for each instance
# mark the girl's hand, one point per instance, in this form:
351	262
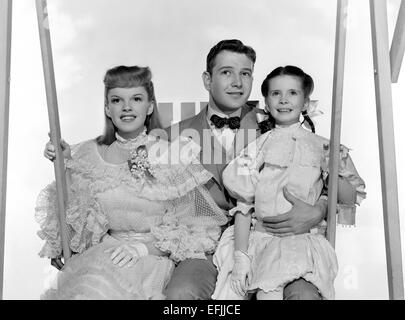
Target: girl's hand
240	273
127	254
50	152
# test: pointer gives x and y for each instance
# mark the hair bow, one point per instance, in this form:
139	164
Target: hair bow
312	111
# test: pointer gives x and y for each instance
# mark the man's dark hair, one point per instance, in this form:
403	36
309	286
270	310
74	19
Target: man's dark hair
232	45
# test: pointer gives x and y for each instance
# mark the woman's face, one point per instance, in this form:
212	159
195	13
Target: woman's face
128	108
286	99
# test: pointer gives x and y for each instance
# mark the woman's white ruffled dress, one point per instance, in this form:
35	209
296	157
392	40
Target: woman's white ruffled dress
106	203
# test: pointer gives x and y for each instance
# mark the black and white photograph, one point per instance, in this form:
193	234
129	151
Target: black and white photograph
217	150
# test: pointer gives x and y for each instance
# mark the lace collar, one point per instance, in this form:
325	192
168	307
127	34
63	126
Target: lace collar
140	139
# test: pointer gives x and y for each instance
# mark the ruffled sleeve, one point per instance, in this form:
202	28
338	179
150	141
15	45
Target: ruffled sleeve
186	242
84	214
347	170
191	228
85	220
46	211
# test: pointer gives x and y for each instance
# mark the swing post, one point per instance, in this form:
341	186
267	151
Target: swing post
398	44
5	59
386	140
51	97
336	119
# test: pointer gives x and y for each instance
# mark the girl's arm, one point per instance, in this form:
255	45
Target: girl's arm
242	229
241	271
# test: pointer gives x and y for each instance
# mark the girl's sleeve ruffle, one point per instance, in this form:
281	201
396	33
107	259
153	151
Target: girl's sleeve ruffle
46	214
347	170
242	207
186	242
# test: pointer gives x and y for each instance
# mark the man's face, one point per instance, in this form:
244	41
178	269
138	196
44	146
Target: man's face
231	80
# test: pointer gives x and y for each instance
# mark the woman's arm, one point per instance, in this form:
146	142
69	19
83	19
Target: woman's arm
155	251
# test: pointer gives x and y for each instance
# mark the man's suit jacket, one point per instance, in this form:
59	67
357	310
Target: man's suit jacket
213	157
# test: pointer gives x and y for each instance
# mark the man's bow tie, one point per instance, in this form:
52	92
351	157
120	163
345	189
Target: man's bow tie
233	122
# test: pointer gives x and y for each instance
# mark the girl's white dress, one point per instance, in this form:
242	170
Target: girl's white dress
108	204
289	157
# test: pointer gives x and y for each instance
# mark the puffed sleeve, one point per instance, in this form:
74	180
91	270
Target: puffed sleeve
347	170
241	175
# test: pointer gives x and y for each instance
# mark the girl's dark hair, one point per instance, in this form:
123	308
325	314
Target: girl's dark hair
307	86
128	77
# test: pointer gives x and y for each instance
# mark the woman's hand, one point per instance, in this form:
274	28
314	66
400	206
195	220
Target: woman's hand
50	152
127	254
300	219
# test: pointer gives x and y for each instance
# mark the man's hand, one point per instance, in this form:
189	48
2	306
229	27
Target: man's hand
300	219
57	263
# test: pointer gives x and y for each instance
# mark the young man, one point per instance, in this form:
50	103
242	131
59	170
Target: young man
224	128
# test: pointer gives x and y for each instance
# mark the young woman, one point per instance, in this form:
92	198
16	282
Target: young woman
132	214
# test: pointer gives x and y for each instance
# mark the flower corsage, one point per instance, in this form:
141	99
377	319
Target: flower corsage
139	164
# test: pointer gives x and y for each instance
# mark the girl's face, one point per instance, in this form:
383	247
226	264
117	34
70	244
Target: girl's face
128	108
286	100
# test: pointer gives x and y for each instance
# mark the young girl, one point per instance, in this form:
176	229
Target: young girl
131	215
288	158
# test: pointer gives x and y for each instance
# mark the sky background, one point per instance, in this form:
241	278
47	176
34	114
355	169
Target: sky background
173	37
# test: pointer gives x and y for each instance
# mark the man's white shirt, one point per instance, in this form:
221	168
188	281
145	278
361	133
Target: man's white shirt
224	135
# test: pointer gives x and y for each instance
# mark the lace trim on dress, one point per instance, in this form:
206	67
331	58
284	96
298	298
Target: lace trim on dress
85	216
46	215
181	186
172	181
186	242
